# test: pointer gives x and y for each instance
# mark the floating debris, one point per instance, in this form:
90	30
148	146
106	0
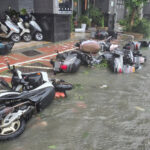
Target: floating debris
139	108
81	105
52	147
104	86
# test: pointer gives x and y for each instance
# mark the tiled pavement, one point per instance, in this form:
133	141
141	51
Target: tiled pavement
46	50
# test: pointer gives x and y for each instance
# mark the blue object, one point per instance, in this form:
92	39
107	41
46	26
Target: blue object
6	47
2	45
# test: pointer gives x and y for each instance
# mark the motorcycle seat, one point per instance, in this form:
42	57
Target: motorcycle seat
11	95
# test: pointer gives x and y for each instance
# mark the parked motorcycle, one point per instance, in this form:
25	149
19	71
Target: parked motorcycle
30	92
25	31
34	27
10	30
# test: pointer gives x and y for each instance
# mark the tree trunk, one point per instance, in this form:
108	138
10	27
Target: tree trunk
132	18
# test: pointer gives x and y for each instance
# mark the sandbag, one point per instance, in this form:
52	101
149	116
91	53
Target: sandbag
90	46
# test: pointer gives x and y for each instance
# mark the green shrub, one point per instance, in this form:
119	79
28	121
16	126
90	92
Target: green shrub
123	22
142	26
84	19
96	16
72	24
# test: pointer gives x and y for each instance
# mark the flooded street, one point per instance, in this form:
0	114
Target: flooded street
105	111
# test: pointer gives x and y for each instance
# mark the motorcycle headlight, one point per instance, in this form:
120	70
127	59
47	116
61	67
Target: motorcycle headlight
27	25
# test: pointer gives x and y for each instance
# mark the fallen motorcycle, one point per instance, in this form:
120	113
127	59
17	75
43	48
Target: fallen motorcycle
5	48
69	62
30	92
144	43
133	45
101	35
125	61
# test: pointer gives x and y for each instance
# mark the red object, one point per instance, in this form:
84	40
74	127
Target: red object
136	46
60	95
64	67
120	70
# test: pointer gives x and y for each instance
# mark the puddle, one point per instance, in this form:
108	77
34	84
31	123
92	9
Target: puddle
116	117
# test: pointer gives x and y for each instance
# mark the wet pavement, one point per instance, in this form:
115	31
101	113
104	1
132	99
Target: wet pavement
105	111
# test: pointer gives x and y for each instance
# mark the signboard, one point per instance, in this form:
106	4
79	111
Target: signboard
62	6
53	6
65	5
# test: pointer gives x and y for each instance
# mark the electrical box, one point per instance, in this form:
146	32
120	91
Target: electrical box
53	6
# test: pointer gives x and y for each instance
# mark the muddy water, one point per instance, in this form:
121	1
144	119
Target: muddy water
105	111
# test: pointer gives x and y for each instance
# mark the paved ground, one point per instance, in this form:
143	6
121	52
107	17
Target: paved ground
41	53
104	111
22	56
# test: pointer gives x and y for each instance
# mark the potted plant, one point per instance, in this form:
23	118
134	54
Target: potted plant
84	21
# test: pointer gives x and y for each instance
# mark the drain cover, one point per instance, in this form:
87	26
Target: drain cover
31	53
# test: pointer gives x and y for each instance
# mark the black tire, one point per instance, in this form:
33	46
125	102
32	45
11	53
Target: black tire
15	134
63	86
38	36
15	37
27	37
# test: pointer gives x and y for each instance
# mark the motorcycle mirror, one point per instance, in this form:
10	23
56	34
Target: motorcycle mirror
8	65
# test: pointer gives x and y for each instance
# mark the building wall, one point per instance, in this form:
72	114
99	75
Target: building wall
16	4
120	9
103	5
27	4
112	7
43	6
146	10
4	4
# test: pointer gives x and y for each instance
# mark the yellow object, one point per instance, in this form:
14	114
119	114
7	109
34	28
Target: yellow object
133	69
60	1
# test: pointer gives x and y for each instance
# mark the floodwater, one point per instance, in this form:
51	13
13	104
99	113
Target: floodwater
105	111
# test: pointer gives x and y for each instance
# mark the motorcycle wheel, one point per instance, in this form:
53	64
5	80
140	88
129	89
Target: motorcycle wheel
63	86
15	37
38	36
15	129
27	37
